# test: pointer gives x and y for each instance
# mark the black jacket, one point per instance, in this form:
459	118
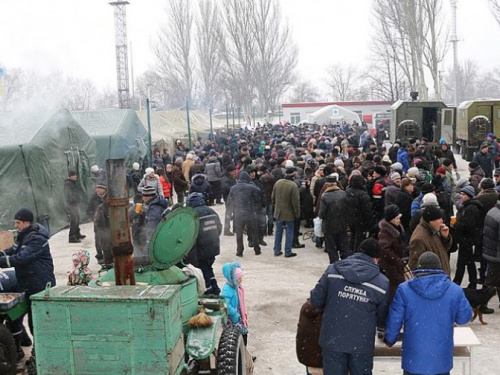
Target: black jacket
244	199
353	295
71	192
491	235
153	214
404	201
30	256
359	204
469	223
207	244
333	210
227	182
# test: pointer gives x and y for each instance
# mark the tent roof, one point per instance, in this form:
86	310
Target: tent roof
20	127
104	122
333	112
167	124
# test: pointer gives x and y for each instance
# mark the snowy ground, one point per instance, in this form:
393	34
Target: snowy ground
276	288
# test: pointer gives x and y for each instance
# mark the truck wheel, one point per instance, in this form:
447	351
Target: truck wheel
8	352
231	357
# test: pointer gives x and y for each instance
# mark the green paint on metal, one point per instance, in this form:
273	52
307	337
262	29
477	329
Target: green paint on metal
173	238
201	342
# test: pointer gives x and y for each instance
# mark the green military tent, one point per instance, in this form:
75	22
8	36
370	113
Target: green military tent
118	133
37	150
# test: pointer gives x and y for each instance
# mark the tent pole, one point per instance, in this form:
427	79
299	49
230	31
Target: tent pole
29	180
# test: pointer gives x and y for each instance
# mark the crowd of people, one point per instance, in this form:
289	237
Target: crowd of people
407	198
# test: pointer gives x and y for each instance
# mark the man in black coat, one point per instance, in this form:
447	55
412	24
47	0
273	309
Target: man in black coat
30	256
102	234
153	208
243	202
207	245
72	198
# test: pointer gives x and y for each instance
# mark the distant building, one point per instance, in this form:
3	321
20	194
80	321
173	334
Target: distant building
297	112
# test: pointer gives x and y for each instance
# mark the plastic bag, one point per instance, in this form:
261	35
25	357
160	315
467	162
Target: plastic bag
318	227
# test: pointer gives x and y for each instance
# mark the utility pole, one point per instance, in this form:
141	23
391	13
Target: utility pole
121	53
454	40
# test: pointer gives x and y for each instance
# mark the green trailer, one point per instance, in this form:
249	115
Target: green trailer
475	119
416	119
141	329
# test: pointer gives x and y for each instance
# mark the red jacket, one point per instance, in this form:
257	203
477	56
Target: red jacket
166	185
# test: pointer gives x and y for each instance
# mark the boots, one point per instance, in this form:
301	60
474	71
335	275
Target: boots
270	229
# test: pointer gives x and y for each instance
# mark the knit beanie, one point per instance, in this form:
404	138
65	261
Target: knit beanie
391	211
24	214
148	191
429	199
487	183
429	261
469	190
431	213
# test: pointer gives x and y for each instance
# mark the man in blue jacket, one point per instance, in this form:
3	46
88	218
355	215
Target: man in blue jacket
353	294
428	306
30	256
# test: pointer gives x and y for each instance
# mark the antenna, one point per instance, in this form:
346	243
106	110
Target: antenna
121	52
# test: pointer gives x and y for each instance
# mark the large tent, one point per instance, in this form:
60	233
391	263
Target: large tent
167	126
333	113
118	133
37	150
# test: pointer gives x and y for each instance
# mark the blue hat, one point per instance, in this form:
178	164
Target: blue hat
442	141
469	190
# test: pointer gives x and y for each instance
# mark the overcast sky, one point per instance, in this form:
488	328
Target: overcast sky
76	37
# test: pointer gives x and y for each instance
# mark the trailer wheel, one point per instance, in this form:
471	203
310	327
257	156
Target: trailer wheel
8	352
231	357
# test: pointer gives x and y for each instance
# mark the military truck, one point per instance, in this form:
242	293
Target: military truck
416	119
475	119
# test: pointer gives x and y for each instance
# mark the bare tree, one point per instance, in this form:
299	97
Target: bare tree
174	53
488	84
495	9
80	95
413	30
106	99
467	82
276	54
208	42
342	81
304	91
13	82
238	49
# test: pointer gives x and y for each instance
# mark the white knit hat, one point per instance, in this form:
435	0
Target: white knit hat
289	164
135	166
94	168
149	170
429	199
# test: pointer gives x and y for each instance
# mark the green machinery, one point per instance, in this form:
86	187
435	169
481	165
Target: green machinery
417	119
475	119
12	307
141	329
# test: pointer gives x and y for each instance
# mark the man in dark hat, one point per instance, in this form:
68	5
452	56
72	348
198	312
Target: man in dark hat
428	306
243	203
286	201
31	258
468	228
72	197
432	235
485	160
353	296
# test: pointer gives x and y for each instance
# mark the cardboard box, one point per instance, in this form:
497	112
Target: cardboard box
6	239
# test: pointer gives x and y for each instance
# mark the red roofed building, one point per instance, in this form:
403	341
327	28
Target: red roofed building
297	112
